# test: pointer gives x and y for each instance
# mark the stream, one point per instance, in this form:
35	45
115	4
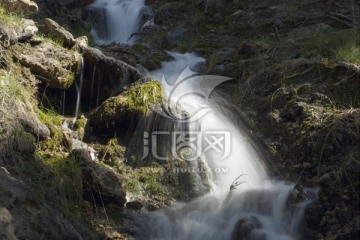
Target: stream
243	202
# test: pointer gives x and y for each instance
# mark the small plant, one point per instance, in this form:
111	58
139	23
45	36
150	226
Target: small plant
8	18
341	45
66	179
349	52
50	38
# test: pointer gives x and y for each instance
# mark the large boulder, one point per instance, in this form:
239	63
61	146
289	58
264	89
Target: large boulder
105	76
12	32
123	111
101	184
146	55
59	32
52	64
20	6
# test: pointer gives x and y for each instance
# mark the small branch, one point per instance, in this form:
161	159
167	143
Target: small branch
301	73
335	14
134	34
350	25
236	183
351	66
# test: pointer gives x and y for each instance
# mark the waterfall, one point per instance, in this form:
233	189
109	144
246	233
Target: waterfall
251	207
119	20
79	90
257	209
242	158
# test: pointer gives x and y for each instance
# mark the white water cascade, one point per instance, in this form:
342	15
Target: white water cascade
257	202
242	158
122	19
259	209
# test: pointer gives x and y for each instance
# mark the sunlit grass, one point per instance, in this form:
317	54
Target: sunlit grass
336	45
349	52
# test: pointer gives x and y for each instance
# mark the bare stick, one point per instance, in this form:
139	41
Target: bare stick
236	183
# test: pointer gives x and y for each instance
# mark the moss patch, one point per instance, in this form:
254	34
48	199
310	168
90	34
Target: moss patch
131	104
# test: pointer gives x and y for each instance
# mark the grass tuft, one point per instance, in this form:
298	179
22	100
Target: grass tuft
338	45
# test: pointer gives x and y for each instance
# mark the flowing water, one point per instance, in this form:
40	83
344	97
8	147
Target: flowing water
257	208
79	90
118	20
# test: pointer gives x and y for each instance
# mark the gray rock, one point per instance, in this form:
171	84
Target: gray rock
58	31
52	64
296	195
173	37
217	18
111	74
244	227
13	32
82	43
137	205
32	124
20	6
23	143
250	49
101	184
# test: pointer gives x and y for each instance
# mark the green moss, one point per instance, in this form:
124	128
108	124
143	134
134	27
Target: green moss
66	180
12	88
149	180
113	154
80	122
9	18
49	117
143	96
138	99
139	48
50	38
70	78
348	52
53	145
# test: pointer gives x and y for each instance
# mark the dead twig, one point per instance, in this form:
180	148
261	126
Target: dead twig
351	66
350	25
341	16
236	183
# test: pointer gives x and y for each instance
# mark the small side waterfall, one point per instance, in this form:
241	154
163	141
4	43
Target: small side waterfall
119	20
79	90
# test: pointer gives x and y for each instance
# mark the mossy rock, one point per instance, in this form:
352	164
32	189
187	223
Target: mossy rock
123	111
